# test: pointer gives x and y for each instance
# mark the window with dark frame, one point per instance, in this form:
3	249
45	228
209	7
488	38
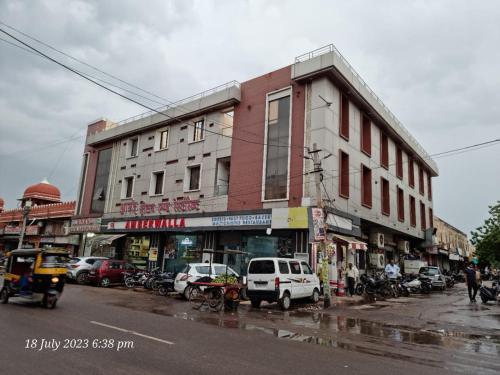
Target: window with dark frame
413	215
129	187
194	177
158	182
411	172
401	205
344	116
163	139
385	196
421	187
429	187
384	151
431	218
344	175
134	145
422	216
366	186
199	130
101	180
399	163
366	135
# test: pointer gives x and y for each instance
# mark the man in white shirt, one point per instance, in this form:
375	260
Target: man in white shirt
352	276
391	270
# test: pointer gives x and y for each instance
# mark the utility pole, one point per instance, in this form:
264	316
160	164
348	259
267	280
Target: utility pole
26	211
318	176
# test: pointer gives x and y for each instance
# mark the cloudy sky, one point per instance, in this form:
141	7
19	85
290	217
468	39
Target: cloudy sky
434	63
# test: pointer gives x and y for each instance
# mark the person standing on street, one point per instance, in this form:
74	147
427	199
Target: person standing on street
471	281
352	276
391	270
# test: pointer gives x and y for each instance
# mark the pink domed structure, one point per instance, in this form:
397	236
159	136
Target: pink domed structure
42	193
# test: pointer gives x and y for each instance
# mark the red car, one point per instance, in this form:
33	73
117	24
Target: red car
106	272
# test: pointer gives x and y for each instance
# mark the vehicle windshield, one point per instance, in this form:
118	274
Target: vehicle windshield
261	267
204	270
54	261
429	271
221	270
97	264
74	260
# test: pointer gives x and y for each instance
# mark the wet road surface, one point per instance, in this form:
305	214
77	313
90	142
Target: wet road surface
345	339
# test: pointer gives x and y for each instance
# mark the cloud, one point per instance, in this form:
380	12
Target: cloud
433	63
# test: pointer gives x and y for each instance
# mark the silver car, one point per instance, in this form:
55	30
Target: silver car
434	273
79	268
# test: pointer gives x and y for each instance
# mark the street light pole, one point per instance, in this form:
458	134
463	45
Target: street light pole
26	212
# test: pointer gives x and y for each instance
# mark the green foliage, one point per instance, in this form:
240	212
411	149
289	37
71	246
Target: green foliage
229	279
486	238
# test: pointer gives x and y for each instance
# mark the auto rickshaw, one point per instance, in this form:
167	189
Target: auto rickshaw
36	275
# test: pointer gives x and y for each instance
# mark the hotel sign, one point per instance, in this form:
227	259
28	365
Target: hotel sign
177	206
85	225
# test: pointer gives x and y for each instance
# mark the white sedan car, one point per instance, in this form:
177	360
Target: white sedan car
195	271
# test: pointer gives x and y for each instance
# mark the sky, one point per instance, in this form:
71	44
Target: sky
433	63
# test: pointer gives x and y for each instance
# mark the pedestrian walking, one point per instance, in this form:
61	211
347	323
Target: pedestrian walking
471	281
352	276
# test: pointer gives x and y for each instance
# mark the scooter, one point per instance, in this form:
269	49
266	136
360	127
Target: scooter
490	294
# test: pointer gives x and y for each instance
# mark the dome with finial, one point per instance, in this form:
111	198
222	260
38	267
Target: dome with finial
2	203
43	192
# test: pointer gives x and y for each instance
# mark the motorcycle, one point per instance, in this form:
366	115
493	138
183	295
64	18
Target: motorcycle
490	294
376	286
164	283
137	279
412	284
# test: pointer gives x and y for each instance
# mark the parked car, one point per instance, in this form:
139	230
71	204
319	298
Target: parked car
281	280
79	268
194	271
107	271
438	280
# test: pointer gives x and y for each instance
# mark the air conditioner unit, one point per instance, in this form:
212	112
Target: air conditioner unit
377	260
404	246
377	239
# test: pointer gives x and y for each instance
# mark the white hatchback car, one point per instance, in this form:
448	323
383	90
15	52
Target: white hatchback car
195	271
281	280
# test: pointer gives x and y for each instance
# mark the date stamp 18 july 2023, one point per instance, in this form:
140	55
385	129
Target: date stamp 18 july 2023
45	344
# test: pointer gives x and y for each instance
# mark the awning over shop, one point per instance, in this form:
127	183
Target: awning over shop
354	244
106	239
454	257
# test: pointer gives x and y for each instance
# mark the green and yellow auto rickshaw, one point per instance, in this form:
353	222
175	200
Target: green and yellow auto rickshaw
36	275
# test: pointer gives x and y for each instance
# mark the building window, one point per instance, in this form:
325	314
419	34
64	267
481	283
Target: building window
193	174
199	131
163	139
421	187
399	163
366	186
431	218
429	187
384	151
101	181
366	135
411	172
127	187
422	216
222	176
384	194
401	205
344	175
413	215
344	117
157	180
133	147
277	150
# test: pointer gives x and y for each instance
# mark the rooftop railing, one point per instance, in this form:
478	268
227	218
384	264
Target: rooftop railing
332	49
179	103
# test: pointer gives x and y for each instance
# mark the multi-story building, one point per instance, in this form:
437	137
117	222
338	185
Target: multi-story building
232	168
452	246
47	222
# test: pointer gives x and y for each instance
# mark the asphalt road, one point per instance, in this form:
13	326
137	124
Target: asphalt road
165	343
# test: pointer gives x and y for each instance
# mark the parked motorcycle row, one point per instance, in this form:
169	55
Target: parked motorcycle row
161	282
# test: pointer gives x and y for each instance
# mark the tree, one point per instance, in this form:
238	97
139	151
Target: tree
486	238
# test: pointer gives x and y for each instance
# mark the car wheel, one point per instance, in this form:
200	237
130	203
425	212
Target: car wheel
285	301
255	302
187	292
4	295
315	296
105	282
82	278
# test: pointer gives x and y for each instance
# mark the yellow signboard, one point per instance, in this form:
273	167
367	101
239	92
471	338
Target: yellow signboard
290	218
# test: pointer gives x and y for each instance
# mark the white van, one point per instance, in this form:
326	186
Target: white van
280	280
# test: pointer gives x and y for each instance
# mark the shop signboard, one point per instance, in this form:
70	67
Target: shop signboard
318	224
31	230
187	241
85	225
289	218
153	254
143	209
